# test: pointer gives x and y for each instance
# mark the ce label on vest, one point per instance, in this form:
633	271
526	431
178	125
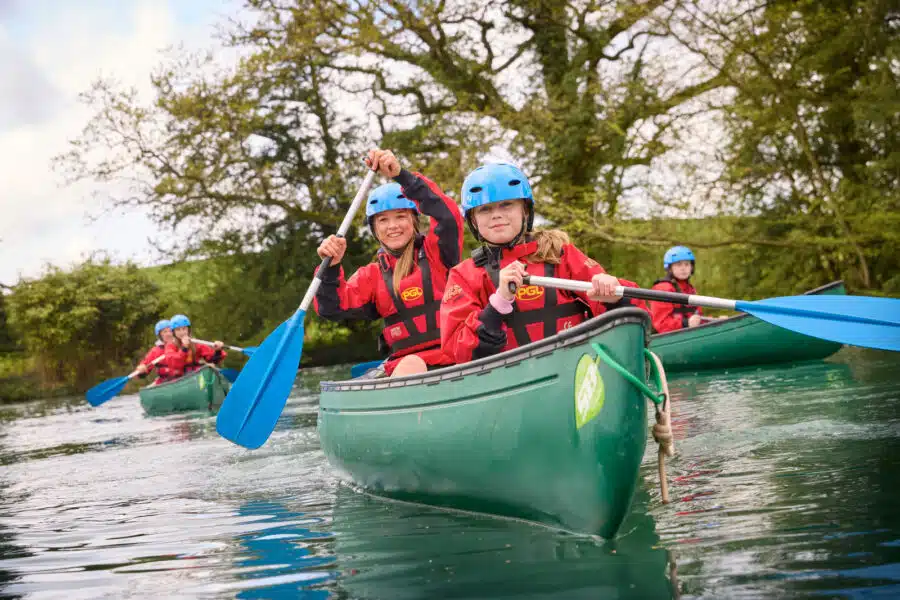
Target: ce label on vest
590	392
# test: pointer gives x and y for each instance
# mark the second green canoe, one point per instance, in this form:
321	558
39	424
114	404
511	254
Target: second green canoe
546	432
740	341
201	390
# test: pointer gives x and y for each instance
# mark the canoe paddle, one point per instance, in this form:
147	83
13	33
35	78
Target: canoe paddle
252	407
855	320
246	351
110	388
361	368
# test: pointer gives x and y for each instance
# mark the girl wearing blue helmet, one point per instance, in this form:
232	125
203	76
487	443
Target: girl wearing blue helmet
678	262
404	286
184	356
164	335
479	315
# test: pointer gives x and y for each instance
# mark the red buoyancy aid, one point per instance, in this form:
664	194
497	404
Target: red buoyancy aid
471	328
667	316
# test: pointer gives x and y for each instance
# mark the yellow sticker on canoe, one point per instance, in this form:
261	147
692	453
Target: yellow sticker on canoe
201	381
590	392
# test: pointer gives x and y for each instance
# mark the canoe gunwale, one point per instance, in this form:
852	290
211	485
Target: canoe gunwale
729	320
570	337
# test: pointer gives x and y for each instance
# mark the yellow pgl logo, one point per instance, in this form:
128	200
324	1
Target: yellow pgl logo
411	293
529	292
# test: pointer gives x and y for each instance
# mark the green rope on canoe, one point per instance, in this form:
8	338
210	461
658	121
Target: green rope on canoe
656	397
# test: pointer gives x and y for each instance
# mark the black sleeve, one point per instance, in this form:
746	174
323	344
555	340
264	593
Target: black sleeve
433	206
330	301
491	335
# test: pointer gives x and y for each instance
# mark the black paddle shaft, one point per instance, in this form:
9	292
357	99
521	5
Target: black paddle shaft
628	292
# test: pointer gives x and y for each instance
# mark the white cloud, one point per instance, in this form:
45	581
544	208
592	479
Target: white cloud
48	58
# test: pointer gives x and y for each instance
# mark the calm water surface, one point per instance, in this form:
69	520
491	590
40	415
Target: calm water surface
786	484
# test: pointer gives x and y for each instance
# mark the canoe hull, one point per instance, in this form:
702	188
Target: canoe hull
203	390
740	341
500	435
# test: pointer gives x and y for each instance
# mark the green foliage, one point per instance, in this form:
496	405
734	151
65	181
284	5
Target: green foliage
814	131
7	341
85	323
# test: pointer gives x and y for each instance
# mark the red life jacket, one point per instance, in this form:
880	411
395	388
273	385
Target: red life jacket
667	316
163	371
472	328
554	304
411	338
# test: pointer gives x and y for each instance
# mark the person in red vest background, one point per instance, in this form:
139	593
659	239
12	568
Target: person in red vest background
678	262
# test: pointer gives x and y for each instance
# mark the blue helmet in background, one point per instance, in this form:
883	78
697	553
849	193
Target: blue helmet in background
496	182
676	254
160	325
180	321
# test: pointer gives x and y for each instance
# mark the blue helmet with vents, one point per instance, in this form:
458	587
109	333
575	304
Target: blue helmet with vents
386	197
676	254
160	325
496	182
180	321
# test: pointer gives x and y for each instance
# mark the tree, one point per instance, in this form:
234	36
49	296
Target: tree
87	322
7	342
813	130
576	90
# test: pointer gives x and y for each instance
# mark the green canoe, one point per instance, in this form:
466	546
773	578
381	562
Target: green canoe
740	341
202	390
537	433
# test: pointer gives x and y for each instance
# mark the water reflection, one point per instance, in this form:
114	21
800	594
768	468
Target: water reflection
278	561
392	551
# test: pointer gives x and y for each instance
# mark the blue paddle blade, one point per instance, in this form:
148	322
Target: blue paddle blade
252	407
230	374
107	390
361	368
250	351
855	320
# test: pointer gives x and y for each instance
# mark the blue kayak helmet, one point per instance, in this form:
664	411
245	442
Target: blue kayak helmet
676	254
496	182
387	197
160	325
180	321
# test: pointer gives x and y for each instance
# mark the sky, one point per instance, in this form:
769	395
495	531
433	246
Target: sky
50	51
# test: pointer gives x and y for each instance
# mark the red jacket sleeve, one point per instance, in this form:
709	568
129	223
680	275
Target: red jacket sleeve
338	299
576	265
175	359
445	234
663	313
208	354
154	353
470	327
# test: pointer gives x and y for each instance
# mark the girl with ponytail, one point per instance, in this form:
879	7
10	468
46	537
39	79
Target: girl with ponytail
480	316
405	284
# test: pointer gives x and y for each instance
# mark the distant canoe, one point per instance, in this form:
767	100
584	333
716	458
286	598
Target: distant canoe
546	432
201	390
740	341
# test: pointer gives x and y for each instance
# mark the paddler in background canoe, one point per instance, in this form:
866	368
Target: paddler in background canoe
405	285
184	356
679	263
480	315
164	335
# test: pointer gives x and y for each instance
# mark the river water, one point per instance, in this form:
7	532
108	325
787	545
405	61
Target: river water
786	483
